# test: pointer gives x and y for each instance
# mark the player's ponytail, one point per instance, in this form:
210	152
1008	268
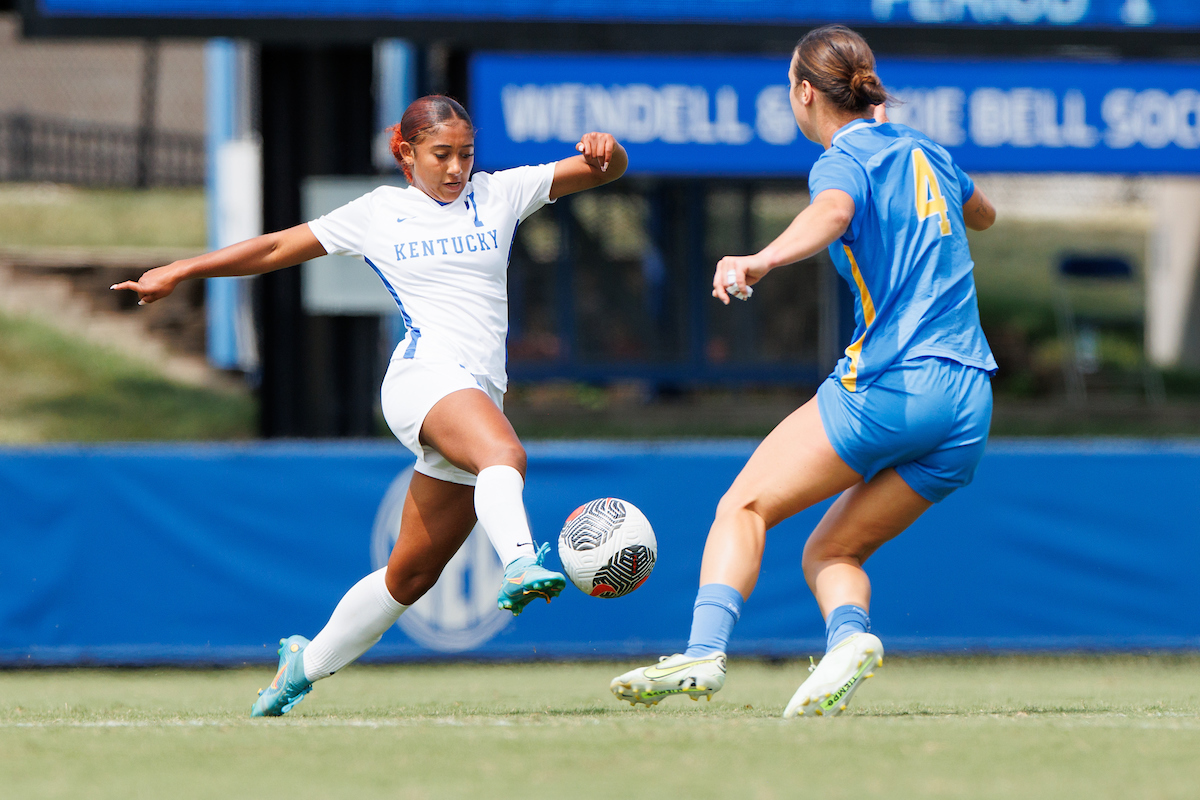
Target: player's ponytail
419	119
839	64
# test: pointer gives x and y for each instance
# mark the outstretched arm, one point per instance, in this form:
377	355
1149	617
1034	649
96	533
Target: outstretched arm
265	253
602	160
814	229
978	212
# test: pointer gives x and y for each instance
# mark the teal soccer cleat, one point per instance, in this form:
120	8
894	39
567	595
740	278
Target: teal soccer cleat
526	578
289	686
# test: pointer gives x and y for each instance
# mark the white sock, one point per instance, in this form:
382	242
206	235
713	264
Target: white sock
358	622
501	511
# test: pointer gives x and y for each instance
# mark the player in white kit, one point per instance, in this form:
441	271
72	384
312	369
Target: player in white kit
441	247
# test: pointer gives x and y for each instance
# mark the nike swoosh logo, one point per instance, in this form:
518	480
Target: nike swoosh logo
401	219
654	673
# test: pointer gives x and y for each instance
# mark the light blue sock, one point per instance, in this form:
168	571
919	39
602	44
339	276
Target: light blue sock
843	621
717	610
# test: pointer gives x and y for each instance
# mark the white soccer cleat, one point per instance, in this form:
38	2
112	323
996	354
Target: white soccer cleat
833	682
672	675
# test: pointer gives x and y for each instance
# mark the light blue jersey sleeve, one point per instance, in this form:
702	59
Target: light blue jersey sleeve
964	180
836	170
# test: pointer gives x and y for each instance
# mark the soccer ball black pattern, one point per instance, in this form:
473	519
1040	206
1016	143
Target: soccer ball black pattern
607	548
624	572
590	526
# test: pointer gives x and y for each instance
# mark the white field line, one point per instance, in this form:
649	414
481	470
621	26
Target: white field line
1163	721
293	723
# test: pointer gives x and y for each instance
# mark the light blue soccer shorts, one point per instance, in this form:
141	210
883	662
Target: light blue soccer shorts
927	417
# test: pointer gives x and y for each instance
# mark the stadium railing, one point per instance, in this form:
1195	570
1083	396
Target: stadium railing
36	149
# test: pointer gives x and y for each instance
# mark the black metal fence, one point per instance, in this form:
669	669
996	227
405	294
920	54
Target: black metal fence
39	149
616	284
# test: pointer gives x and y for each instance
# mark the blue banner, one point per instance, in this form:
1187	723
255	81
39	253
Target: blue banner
1120	14
119	554
716	116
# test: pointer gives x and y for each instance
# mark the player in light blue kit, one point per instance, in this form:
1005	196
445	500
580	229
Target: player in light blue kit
902	421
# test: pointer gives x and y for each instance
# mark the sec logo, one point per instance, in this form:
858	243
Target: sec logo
459	612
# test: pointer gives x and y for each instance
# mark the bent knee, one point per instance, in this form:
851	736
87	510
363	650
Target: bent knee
408	585
509	454
516	457
736	502
819	553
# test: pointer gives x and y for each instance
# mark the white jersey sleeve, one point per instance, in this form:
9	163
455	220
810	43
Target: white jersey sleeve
343	231
525	188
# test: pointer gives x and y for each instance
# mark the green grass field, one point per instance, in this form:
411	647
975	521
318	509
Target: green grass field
52	215
1005	727
56	388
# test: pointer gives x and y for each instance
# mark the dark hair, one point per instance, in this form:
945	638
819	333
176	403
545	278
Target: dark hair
420	118
839	63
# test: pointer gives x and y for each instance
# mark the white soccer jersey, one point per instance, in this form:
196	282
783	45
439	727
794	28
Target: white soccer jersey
446	265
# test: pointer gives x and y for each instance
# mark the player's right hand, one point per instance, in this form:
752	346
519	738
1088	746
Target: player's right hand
597	149
746	271
154	285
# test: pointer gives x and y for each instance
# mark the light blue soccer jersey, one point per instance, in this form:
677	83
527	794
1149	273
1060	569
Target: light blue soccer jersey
905	253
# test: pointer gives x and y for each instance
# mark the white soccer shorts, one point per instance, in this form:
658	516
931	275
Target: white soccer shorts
412	387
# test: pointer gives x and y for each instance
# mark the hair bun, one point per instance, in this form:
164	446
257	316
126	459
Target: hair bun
863	79
839	64
866	88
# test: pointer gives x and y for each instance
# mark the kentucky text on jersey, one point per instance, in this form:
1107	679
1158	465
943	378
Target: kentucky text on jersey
446	264
905	253
471	243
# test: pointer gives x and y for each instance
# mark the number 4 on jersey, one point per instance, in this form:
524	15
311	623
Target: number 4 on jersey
929	195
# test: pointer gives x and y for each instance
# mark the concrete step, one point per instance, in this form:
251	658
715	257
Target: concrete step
67	289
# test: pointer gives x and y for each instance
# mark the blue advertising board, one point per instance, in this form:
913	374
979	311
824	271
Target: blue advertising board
731	115
1119	14
179	553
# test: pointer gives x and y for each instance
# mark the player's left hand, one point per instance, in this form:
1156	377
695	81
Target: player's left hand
597	149
154	285
735	275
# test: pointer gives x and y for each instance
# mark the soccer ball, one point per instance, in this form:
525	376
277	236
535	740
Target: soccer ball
607	547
